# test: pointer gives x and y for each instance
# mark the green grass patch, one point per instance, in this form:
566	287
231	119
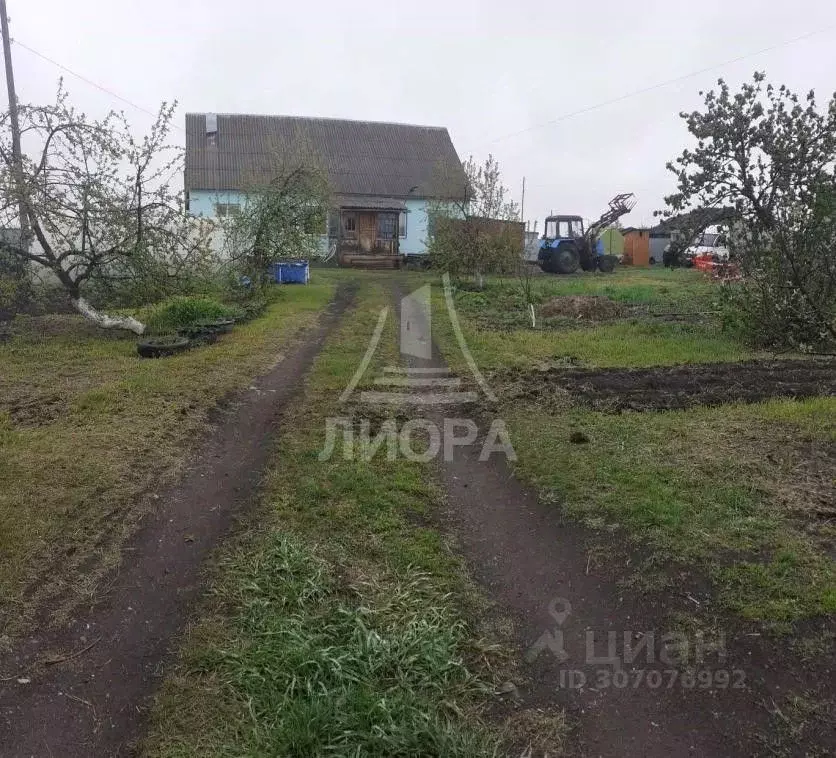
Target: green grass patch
656	292
498	331
87	428
698	488
335	628
180	312
312	667
628	344
724	491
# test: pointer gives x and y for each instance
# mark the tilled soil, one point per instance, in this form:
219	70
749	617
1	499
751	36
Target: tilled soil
672	388
589	307
81	691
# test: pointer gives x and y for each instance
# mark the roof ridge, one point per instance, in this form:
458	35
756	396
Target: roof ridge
318	118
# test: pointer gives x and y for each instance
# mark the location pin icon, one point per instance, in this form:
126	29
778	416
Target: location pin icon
559	609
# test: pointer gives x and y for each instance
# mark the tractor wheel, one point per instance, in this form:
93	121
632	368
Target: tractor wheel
587	261
606	263
564	259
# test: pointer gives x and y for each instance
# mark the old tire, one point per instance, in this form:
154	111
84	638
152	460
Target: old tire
606	263
198	335
219	326
564	259
161	347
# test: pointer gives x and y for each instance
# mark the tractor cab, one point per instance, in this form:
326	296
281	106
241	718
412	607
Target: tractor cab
560	244
563	227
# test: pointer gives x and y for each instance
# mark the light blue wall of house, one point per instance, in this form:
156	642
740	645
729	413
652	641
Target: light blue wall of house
415	242
202	203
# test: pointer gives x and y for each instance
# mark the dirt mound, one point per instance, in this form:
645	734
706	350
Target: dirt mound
676	387
588	307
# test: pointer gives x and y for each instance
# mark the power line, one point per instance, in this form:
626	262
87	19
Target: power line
558	119
659	85
88	81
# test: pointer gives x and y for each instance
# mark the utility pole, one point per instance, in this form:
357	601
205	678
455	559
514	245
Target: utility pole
17	157
522	204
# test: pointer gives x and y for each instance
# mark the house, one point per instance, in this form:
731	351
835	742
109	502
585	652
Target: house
382	175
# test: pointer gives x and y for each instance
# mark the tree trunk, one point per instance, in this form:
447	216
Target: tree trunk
103	320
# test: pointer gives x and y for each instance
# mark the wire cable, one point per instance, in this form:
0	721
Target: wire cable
659	85
88	81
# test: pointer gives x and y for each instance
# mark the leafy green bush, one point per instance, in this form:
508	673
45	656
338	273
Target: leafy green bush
180	312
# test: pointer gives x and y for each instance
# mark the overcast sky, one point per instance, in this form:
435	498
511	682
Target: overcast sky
485	70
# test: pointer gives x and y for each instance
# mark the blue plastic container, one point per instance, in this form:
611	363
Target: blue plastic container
291	272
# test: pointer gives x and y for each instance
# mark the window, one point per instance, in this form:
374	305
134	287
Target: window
387	226
222	210
402	224
564	228
350	225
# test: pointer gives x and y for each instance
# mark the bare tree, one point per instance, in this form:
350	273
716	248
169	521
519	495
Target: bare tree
97	201
770	155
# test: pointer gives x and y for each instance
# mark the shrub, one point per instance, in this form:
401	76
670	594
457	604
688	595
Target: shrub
250	309
769	154
181	312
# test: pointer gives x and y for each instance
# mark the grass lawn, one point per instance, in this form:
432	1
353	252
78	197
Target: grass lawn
88	432
728	493
670	317
332	628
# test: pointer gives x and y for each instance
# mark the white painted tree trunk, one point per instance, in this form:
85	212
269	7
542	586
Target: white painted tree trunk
105	321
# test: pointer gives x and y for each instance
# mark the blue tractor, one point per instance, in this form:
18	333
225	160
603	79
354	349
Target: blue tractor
567	246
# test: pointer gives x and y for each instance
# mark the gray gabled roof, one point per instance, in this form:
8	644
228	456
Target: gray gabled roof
360	157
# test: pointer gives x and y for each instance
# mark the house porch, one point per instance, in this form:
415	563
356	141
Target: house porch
368	232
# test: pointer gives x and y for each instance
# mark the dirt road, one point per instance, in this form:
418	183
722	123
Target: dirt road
88	699
574	627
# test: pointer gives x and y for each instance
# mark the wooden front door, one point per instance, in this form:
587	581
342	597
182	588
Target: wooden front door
367	231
